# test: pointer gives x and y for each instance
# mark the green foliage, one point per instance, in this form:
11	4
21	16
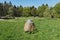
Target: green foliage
53	13
57	8
41	10
47	13
10	11
26	11
33	11
1	9
19	11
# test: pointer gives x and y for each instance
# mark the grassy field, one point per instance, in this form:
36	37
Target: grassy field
47	29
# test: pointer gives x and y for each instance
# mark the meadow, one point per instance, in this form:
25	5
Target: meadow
47	29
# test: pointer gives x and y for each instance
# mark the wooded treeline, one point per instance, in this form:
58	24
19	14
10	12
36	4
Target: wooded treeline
7	9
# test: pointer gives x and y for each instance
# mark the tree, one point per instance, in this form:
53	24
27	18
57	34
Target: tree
33	11
1	9
10	3
10	11
41	9
5	8
20	10
57	8
47	13
53	12
47	5
26	11
15	11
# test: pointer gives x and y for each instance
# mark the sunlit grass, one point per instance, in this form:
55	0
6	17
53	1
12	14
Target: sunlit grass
47	29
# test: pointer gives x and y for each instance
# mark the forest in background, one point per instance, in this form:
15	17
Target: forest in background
9	10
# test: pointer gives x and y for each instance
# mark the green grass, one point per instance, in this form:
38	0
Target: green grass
47	29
